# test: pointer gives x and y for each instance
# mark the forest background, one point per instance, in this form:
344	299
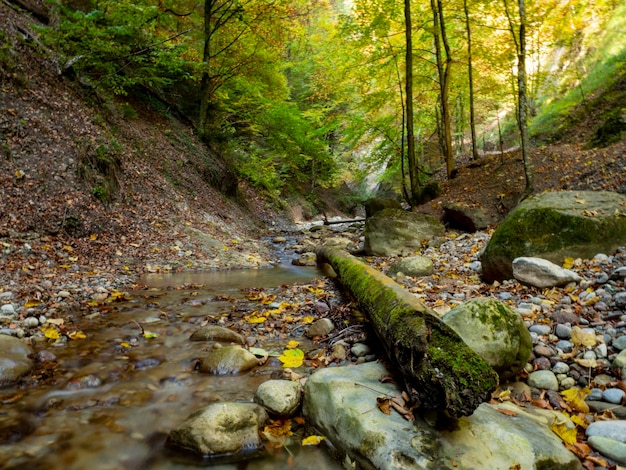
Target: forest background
295	96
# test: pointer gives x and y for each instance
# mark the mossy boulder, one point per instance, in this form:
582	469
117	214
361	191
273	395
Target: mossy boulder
553	226
392	232
377	204
221	429
495	332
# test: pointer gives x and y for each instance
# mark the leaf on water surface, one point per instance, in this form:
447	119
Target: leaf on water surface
150	335
117	296
77	335
576	397
259	352
292	357
312	440
292	344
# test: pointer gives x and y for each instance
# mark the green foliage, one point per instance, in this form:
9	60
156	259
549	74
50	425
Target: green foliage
117	46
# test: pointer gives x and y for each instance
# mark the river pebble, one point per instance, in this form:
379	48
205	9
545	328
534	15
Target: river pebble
613	395
544	379
619	343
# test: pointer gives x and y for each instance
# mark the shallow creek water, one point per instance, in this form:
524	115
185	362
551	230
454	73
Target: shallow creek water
116	395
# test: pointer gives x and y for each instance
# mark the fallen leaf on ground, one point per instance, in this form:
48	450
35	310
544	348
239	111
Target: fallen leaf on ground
292	357
312	440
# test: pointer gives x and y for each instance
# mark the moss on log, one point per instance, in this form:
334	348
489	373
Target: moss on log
439	370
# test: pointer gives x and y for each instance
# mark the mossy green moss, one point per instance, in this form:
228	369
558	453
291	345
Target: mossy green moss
440	370
554	226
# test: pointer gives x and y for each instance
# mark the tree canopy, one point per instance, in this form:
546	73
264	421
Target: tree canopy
307	93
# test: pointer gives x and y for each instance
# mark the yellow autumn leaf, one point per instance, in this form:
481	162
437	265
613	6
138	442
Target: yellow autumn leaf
583	338
312	440
68	248
567	435
292	344
308	319
125	345
576	398
150	335
256	319
292	357
568	262
77	335
32	303
93	236
51	332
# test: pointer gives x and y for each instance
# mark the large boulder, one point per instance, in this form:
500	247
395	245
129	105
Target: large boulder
392	232
341	404
14	360
377	204
495	332
221	429
467	218
554	226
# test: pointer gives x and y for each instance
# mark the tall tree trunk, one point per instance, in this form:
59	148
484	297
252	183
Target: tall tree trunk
443	69
523	103
519	39
470	74
410	132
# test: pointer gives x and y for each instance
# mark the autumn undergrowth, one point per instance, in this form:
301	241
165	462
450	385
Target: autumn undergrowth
588	82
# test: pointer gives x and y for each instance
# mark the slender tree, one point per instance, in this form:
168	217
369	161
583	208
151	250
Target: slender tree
470	78
410	133
444	65
519	39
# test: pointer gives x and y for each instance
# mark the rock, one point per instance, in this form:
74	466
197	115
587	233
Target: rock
610	448
619	343
339	242
320	327
619	273
228	360
609	438
360	350
468	219
305	259
374	205
495	331
412	266
280	398
14	360
543	379
542	273
556	225
620	299
392	231
7	309
620	360
221	429
340	403
216	333
613	395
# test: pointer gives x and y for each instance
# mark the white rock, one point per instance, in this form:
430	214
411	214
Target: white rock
542	273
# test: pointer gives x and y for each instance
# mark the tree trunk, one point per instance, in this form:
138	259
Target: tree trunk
410	132
439	370
443	70
470	74
523	102
522	105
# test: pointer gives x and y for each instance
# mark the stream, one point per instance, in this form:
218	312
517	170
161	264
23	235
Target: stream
110	399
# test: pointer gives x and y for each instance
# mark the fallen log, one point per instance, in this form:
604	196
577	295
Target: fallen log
439	370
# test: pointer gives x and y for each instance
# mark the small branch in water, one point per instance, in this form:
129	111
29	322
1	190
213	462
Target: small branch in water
139	326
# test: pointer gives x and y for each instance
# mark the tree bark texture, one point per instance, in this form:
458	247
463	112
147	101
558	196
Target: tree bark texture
439	370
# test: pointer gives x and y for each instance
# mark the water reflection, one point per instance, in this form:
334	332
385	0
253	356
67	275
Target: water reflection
111	399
